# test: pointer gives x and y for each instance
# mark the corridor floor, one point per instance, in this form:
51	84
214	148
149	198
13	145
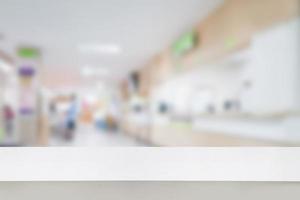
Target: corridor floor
90	136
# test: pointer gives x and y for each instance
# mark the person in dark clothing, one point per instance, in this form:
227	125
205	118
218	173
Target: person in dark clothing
8	119
71	118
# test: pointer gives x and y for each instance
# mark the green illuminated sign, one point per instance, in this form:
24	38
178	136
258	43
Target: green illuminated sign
28	52
185	43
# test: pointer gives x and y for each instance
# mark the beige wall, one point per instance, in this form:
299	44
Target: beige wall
232	25
227	29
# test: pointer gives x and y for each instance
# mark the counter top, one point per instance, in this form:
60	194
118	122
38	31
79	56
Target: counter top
276	129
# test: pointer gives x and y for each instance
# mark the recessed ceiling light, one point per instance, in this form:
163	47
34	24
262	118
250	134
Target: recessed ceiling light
100	49
89	71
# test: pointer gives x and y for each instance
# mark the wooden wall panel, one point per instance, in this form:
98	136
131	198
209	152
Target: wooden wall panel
227	29
234	23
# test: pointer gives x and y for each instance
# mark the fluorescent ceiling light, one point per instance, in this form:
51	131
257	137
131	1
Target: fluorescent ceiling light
88	71
100	85
100	49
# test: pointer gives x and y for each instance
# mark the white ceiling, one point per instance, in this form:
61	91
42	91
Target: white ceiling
142	28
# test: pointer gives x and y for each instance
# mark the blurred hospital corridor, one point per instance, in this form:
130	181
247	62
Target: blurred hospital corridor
150	73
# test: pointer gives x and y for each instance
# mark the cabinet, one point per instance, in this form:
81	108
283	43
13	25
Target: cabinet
272	76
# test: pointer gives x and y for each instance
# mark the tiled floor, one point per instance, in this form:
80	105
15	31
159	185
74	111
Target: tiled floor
89	136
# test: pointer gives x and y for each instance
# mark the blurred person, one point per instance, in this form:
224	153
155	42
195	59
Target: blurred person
100	118
53	117
71	118
52	108
113	116
8	119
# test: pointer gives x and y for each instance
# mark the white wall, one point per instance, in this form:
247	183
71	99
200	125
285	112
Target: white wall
271	65
274	71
